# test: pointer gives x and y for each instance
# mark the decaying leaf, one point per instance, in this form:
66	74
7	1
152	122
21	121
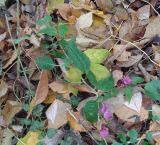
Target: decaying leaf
50	97
143	13
117	75
3	88
10	110
41	92
129	115
7	137
87	18
156	111
31	138
57	114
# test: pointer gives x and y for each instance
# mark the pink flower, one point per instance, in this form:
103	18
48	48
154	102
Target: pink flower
126	80
107	115
104	132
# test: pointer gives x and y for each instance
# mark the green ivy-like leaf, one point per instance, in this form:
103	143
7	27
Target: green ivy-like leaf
133	134
137	80
152	89
62	30
51	132
45	20
90	111
128	92
45	62
78	58
50	31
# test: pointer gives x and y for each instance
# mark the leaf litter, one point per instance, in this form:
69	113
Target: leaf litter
80	72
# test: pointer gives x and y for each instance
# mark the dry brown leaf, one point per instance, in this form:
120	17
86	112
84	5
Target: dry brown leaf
131	61
59	87
124	56
41	92
10	110
156	111
125	29
105	5
143	13
74	122
83	88
129	115
11	60
153	28
2	36
3	88
50	97
117	75
121	13
56	114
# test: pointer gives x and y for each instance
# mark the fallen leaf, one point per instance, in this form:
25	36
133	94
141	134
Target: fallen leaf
117	75
135	103
50	97
31	138
11	108
153	28
143	13
3	88
129	115
11	60
105	5
131	61
7	137
74	122
121	13
124	56
41	92
34	40
56	114
87	18
26	2
2	36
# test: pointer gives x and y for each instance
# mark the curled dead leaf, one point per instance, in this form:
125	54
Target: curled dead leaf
3	88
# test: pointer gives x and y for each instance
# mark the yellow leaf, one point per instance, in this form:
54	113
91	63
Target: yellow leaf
99	71
97	55
50	98
32	138
74	75
53	4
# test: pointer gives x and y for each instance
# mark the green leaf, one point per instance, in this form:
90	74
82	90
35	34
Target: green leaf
46	19
137	80
117	143
90	111
122	138
45	62
152	89
50	31
97	55
128	92
78	58
106	84
110	94
62	29
51	132
149	136
133	135
17	41
99	71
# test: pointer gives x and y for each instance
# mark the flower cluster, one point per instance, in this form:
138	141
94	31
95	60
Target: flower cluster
104	131
125	81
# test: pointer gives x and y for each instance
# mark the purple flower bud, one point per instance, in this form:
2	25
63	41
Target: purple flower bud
104	108
126	80
104	132
107	115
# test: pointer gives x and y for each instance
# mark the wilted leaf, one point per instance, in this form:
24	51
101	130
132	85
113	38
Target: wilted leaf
136	102
74	122
3	88
156	111
41	92
105	5
87	18
143	13
56	114
31	138
10	110
97	55
117	75
7	137
153	28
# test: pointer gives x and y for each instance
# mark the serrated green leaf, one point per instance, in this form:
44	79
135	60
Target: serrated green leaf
74	75
90	111
137	80
97	55
128	92
45	62
51	132
99	71
78	58
152	89
46	19
49	30
133	134
62	30
149	136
